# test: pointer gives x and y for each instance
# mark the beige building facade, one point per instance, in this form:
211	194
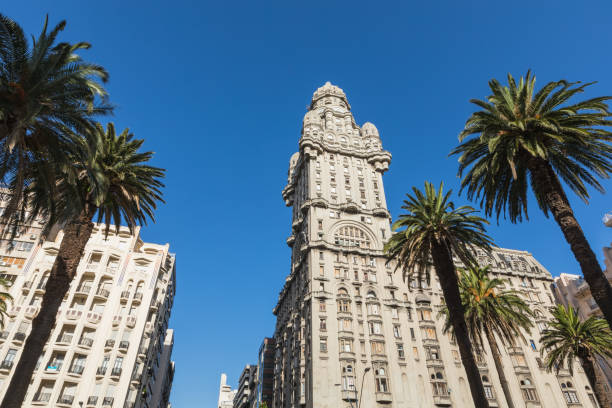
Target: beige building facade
346	322
111	346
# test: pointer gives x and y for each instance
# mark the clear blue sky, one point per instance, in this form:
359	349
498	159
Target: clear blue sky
219	90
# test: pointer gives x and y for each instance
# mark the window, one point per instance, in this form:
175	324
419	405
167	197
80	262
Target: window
412	336
344	306
424	314
375	327
320	224
321	305
377	347
321	270
396	331
456	356
400	350
322	324
394	309
569	393
429	333
487	387
373	309
345	324
415	353
382	384
438	384
346	345
323	345
351	237
348	378
528	390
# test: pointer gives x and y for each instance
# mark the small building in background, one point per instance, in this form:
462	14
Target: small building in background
226	394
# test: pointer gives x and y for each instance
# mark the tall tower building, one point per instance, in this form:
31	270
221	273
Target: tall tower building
345	321
111	346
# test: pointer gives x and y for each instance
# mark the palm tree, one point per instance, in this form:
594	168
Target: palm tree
114	182
46	90
536	140
568	338
434	230
5	297
493	311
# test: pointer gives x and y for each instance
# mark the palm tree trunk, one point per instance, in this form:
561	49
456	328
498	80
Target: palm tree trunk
499	366
76	235
597	381
445	269
556	200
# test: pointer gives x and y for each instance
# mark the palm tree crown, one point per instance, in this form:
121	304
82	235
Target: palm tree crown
568	338
432	219
488	306
516	127
47	94
5	298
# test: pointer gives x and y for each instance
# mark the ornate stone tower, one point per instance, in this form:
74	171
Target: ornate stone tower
340	224
346	322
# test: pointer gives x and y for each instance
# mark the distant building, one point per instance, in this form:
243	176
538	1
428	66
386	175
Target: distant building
226	394
265	374
246	387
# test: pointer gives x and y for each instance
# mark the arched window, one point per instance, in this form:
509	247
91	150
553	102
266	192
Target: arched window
485	379
528	390
570	395
371	295
351	236
382	383
348	379
439	376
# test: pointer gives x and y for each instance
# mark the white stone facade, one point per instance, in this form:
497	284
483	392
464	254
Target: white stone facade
226	394
111	344
342	310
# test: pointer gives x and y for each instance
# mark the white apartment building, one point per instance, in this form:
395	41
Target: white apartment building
572	290
346	321
226	394
111	344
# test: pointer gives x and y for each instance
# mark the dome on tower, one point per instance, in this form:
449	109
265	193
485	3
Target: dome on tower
369	129
329	90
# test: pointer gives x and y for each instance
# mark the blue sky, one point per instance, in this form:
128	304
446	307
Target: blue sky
219	89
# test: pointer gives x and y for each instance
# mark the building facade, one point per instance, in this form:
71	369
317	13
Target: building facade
111	345
226	394
244	397
265	374
347	322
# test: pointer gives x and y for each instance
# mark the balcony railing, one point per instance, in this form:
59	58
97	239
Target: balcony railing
85	341
124	344
108	401
102	292
138	296
84	289
65	338
92	400
65	399
116	372
42	397
92	267
27	285
4	334
77	369
6	365
130	321
19	336
101	371
41	285
109	343
125	295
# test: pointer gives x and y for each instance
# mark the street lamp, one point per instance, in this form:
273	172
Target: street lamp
361	391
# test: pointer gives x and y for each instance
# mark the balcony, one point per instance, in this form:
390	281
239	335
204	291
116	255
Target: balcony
116	372
583	290
102	293
110	343
6	365
137	297
434	362
124	345
40	289
521	369
384	397
65	399
92	401
349	395
130	321
31	312
4	335
83	290
19	337
142	351
86	342
125	295
42	397
72	314
94	317
108	401
116	320
27	286
101	371
442	400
